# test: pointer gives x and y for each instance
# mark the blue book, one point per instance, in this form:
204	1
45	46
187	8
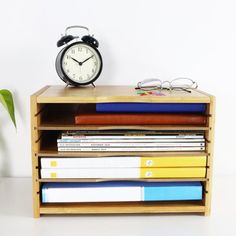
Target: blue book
112	191
152	107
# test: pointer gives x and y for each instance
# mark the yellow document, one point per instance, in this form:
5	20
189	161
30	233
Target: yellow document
198	172
174	161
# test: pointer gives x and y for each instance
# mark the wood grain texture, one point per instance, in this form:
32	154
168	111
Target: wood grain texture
123	208
54	153
68	126
34	109
62	94
210	150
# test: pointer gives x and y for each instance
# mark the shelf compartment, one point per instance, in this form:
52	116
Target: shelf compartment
126	207
45	180
49	148
54	118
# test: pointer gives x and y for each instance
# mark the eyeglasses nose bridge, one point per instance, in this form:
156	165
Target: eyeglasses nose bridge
168	83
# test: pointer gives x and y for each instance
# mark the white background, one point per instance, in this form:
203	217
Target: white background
138	39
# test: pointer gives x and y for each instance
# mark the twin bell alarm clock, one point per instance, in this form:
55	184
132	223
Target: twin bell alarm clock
79	62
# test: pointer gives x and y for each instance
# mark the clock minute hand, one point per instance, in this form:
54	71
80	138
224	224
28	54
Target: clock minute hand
86	59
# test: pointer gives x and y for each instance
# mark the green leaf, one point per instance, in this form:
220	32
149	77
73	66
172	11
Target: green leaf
7	101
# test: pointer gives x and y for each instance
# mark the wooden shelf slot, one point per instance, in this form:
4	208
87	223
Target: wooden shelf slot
45	180
68	126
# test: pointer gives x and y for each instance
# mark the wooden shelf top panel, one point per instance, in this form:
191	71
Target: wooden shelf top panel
63	94
125	207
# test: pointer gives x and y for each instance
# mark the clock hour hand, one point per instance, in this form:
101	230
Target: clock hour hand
80	63
86	59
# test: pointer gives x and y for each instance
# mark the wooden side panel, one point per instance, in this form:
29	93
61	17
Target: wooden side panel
210	137
35	146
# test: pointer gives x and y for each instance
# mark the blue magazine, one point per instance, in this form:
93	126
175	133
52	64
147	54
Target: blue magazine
152	107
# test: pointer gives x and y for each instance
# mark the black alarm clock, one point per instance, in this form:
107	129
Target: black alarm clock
79	62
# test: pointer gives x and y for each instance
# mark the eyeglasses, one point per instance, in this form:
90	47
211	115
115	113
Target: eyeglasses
181	84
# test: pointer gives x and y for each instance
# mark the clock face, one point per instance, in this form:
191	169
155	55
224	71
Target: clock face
81	63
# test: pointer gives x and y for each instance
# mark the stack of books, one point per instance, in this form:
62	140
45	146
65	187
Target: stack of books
127	141
124	167
143	114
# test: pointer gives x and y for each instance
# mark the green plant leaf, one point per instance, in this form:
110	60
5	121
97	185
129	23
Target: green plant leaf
7	101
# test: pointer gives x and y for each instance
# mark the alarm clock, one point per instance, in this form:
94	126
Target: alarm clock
79	62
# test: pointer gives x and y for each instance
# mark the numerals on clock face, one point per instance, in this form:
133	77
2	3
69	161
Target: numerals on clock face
81	63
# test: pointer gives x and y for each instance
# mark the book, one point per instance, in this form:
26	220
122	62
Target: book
125	173
131	144
126	141
127	135
122	162
131	132
130	140
120	191
128	149
152	107
139	119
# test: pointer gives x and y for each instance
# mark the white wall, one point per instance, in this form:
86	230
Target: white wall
138	39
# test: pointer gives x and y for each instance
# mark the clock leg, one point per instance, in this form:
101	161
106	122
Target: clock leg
93	85
67	84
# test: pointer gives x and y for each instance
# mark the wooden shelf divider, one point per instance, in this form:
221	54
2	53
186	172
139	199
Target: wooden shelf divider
143	180
123	208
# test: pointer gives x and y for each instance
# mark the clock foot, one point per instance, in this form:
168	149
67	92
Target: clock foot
93	85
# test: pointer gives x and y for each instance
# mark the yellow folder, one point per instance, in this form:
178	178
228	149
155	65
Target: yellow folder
173	161
190	172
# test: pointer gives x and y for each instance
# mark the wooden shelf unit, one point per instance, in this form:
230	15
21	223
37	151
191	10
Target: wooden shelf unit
53	109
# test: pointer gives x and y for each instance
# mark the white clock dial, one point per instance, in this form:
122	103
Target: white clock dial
81	63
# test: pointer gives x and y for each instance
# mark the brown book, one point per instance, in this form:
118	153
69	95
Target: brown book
139	119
